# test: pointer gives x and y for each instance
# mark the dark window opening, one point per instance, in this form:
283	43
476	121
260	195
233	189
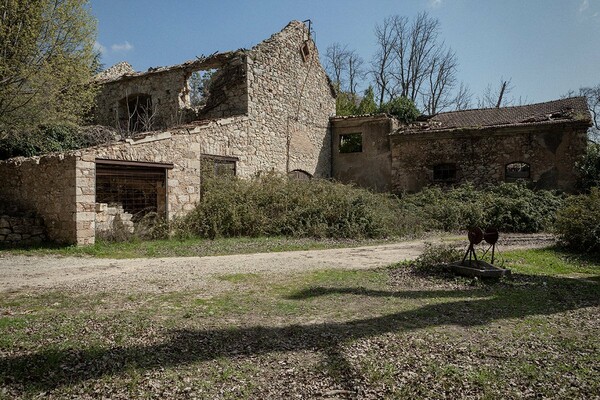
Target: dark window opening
351	143
517	170
299	175
136	113
305	51
219	165
444	173
139	189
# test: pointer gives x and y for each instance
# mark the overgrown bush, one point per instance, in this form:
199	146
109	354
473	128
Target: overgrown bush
589	168
578	222
52	137
510	207
273	205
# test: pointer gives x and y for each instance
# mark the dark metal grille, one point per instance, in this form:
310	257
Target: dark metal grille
140	190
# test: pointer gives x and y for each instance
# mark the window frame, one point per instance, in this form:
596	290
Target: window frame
341	146
218	161
449	169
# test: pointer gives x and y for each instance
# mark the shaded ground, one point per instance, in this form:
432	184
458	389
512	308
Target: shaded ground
370	333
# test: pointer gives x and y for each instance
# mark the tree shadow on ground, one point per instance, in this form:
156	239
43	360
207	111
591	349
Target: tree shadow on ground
545	296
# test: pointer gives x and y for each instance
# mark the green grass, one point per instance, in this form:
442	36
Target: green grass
191	247
306	334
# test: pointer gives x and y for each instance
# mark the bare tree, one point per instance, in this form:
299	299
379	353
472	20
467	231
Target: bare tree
336	62
354	71
385	57
497	97
440	79
593	98
412	62
463	98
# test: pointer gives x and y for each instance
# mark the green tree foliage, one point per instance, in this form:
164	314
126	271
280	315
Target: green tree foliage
367	105
589	168
402	108
578	222
345	104
46	62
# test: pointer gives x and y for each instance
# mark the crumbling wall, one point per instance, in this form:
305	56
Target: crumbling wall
371	167
482	155
290	102
56	187
168	91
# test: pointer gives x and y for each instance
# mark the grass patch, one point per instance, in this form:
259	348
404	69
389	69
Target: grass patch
192	247
315	334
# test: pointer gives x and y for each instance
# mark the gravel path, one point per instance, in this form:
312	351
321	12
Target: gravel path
186	273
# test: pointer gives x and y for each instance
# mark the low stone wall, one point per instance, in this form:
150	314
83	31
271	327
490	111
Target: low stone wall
21	230
113	221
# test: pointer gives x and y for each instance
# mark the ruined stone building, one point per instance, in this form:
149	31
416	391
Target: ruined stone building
536	143
270	108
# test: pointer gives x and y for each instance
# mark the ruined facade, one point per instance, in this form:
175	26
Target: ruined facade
537	143
270	108
264	109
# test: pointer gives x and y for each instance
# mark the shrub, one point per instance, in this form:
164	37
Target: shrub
510	207
589	168
578	222
273	205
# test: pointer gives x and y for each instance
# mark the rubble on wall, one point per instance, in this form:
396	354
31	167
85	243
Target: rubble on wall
112	220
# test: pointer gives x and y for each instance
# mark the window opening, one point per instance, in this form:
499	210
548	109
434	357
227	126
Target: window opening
305	51
517	170
219	165
198	85
444	173
299	175
139	189
351	143
137	113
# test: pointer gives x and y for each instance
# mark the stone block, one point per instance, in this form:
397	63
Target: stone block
13	237
4	222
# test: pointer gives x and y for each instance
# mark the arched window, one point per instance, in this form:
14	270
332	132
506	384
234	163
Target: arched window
136	113
299	175
444	172
517	170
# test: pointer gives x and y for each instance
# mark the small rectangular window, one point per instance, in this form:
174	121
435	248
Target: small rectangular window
444	173
351	143
219	165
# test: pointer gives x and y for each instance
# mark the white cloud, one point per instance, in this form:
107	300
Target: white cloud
435	3
585	4
99	48
122	47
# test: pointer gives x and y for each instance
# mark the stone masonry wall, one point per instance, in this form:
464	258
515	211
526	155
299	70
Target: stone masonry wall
481	156
45	185
170	95
290	102
21	230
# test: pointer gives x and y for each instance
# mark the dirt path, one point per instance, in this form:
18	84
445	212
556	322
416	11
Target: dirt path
187	273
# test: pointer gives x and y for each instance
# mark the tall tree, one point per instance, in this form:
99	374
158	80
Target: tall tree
593	98
336	62
496	97
412	62
46	62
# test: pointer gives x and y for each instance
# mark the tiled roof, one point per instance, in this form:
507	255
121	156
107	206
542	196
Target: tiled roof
557	111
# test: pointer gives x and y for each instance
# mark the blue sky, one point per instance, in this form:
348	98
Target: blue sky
546	47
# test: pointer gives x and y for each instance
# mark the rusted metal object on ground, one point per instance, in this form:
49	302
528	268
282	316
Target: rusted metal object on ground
475	267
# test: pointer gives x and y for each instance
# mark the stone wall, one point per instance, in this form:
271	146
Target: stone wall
45	185
370	168
482	155
169	92
21	229
290	102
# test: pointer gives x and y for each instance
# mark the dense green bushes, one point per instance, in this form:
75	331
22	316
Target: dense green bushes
578	222
510	207
53	137
273	205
